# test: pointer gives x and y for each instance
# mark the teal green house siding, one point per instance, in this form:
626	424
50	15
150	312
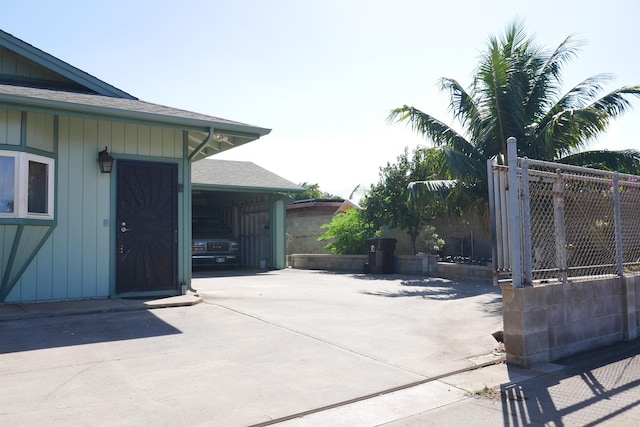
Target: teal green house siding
59	113
278	225
80	246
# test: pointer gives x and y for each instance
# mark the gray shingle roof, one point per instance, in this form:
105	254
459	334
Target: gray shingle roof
119	107
236	174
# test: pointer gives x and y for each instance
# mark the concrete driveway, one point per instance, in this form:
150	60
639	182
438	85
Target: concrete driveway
262	346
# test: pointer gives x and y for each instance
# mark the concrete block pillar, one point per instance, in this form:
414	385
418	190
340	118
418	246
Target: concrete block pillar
430	265
630	287
526	327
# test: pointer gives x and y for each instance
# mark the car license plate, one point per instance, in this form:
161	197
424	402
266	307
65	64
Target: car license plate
220	259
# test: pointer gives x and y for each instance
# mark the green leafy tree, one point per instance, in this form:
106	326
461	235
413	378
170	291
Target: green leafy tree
312	191
516	91
431	240
391	201
347	232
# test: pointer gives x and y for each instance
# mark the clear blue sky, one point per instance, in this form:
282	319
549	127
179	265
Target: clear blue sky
323	74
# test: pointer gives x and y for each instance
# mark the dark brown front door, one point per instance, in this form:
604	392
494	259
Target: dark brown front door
147	227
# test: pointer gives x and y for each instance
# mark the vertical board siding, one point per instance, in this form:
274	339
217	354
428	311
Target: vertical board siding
117	138
7	235
144	141
168	143
10	125
60	236
12	64
40	131
130	139
77	172
156	142
27	289
178	144
44	271
31	236
90	208
104	223
8	62
75	262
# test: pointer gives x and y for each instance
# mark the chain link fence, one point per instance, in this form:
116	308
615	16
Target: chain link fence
572	221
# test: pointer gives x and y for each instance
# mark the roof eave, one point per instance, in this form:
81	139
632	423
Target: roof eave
244	189
250	132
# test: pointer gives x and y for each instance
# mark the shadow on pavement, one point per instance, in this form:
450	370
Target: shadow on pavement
51	332
204	272
440	289
591	389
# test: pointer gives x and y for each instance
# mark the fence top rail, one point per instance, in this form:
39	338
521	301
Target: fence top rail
578	169
551	176
633	180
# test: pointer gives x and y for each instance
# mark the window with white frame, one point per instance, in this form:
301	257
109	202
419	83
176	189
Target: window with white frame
26	185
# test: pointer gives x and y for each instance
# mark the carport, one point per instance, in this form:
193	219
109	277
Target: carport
249	200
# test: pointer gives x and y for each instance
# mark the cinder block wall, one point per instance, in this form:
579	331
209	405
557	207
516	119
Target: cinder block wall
460	239
548	322
402	264
304	228
344	263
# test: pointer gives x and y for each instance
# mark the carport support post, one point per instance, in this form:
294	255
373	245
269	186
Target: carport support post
184	266
278	230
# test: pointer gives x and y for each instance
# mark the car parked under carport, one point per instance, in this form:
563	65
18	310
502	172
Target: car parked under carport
249	202
213	244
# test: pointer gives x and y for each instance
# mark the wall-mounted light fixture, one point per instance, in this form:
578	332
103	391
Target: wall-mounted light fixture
105	161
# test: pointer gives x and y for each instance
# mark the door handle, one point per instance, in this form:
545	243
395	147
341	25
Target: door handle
124	228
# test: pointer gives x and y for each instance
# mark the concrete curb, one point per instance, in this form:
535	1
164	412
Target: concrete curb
356	400
21	311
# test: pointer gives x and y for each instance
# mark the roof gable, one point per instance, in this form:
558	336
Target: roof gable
35	80
25	65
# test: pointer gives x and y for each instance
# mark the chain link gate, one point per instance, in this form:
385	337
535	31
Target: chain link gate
561	222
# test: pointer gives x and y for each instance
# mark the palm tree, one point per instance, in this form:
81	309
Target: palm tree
516	92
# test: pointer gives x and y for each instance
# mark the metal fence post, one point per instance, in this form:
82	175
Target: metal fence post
526	224
493	219
514	214
618	223
558	219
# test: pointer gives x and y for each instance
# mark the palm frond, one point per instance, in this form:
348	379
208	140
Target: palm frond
462	104
547	78
615	103
624	161
516	91
434	185
582	94
424	124
568	129
463	166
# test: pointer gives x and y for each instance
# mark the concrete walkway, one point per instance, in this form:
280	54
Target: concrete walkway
91	306
293	348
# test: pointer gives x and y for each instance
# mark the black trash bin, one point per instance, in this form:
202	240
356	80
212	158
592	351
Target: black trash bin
380	255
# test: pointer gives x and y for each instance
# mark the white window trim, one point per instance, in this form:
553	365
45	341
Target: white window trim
21	183
16	167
